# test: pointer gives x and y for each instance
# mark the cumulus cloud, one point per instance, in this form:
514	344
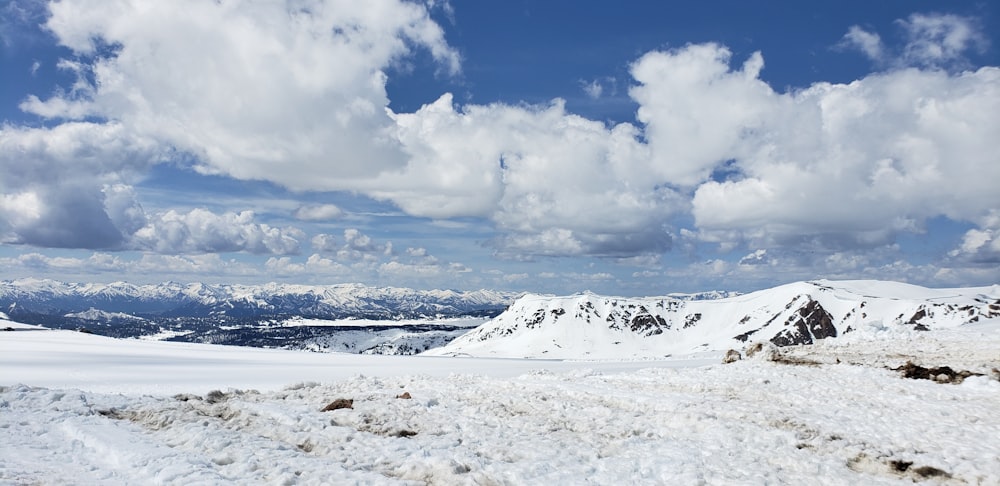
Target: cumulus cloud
201	231
324	243
314	265
981	245
854	164
554	183
252	89
697	112
62	186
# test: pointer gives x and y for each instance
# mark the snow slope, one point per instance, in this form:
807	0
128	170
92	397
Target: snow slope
489	421
589	326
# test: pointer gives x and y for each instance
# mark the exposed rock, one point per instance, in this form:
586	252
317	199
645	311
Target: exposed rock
743	337
920	314
810	323
648	324
215	396
692	319
731	356
339	404
404	396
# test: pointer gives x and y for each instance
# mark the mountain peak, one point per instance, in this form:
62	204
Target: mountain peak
590	326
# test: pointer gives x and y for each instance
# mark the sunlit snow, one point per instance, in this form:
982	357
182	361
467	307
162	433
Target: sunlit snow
83	409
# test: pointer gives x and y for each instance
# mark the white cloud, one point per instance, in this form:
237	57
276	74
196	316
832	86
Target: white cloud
758	257
64	186
868	43
856	164
291	93
981	245
553	183
318	212
297	97
324	243
594	89
201	231
160	266
929	40
646	274
409	270
696	110
940	39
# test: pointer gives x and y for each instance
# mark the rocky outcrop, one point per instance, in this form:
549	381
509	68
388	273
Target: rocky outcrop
810	323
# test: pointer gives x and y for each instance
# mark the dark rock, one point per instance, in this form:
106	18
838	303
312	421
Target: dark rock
920	314
743	337
648	324
215	396
811	322
339	404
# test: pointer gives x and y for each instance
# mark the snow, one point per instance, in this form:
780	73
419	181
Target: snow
84	409
591	326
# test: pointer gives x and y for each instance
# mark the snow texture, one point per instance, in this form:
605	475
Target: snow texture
137	412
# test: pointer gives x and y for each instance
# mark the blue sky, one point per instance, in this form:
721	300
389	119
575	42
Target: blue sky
632	148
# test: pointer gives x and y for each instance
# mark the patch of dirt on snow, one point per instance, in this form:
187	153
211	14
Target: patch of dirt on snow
864	463
940	374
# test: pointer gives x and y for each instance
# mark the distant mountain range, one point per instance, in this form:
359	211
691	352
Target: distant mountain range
121	300
588	326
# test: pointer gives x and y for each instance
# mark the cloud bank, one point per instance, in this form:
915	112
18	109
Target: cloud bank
294	93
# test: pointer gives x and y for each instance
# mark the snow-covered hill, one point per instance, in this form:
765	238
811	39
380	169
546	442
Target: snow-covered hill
589	326
49	297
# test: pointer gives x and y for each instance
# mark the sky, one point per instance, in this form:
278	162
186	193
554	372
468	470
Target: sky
628	148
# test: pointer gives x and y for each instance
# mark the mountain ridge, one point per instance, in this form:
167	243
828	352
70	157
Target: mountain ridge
50	297
588	326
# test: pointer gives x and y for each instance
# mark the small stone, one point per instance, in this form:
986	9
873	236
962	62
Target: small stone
404	396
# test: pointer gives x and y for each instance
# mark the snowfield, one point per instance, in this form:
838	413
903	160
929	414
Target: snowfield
83	409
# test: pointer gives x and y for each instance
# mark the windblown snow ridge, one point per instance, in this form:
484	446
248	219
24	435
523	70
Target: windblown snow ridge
588	326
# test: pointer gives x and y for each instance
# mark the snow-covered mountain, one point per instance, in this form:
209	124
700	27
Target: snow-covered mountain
588	326
49	297
93	314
